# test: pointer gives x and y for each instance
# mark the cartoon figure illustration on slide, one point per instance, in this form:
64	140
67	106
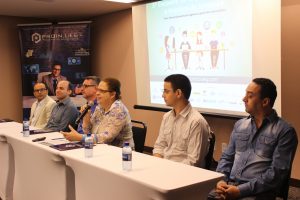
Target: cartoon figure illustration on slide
214	51
199	51
185	47
168	53
169	44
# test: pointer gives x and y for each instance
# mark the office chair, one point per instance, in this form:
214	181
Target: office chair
139	130
209	158
283	191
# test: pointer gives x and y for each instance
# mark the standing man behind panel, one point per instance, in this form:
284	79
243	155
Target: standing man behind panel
184	133
41	109
51	80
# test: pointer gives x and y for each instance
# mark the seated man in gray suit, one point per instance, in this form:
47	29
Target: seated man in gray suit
51	80
41	109
65	111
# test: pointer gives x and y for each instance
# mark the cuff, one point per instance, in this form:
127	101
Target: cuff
95	138
83	137
158	151
244	189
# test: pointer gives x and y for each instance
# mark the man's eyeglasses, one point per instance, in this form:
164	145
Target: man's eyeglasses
40	90
103	91
86	86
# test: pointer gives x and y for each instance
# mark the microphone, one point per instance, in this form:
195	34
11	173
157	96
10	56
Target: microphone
83	113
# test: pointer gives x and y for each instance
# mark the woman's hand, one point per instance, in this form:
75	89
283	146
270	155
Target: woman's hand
73	135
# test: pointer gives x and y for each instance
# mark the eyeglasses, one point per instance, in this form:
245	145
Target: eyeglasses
56	69
86	86
40	90
103	91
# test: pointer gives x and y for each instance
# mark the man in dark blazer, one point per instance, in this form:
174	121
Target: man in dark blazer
51	80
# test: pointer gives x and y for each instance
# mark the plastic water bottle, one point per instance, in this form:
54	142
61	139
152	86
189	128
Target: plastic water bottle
88	146
26	131
127	157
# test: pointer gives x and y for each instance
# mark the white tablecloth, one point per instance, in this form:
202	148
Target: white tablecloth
42	172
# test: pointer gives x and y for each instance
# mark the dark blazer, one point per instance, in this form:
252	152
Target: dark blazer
47	79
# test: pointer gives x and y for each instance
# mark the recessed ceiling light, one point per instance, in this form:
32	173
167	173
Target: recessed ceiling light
123	1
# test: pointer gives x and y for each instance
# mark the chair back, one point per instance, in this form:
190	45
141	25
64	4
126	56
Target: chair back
139	130
209	156
40	76
283	192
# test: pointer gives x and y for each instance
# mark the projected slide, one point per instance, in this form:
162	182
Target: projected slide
209	41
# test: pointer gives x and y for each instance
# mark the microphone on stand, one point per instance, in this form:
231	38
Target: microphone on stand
83	113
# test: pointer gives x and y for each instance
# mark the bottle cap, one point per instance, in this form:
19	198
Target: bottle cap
126	144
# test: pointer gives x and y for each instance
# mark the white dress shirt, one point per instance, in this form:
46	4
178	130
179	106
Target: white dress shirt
183	138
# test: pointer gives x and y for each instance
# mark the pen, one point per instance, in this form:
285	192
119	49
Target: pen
39	139
57	138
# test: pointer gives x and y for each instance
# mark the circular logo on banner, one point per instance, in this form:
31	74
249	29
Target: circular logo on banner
36	37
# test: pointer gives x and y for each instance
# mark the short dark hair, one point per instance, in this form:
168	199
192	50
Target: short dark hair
70	85
95	79
267	89
180	81
56	63
114	85
35	83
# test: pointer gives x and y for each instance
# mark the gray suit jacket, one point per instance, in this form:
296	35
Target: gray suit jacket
47	79
44	114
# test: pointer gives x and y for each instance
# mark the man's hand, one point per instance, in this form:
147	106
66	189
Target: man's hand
221	189
73	135
232	192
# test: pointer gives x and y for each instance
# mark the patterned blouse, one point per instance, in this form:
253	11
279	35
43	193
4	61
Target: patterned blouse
114	126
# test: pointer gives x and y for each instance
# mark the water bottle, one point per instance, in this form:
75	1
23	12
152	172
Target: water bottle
88	146
26	131
127	157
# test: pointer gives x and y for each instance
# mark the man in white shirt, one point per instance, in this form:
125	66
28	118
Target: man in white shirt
41	109
184	133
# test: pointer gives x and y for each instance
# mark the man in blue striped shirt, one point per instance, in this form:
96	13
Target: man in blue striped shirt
89	90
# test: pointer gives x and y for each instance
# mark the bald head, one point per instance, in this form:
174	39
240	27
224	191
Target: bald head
40	91
63	90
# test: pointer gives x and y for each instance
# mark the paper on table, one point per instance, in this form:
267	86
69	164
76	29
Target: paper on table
67	146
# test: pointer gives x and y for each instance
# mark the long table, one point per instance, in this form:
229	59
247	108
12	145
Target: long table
42	172
39	171
6	166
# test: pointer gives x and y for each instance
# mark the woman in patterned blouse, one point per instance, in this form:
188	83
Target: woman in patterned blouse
111	122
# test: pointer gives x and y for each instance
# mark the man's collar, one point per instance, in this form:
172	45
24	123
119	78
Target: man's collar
95	101
273	116
43	100
185	111
64	101
270	118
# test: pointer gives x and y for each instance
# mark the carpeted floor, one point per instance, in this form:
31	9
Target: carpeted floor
294	193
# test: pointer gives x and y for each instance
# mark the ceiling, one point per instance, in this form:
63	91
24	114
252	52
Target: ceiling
61	9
